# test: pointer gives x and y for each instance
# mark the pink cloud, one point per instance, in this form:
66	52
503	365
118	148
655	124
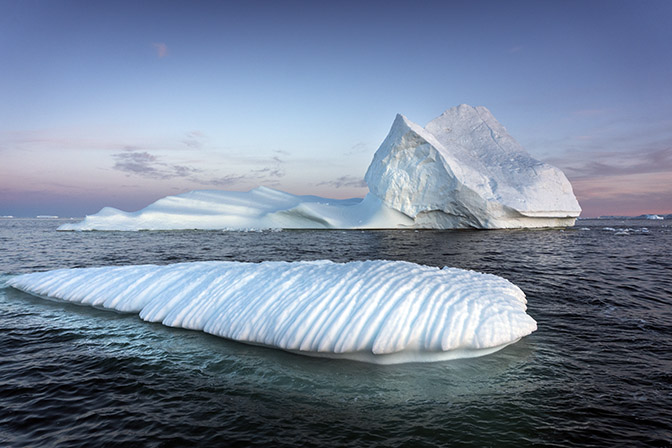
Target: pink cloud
625	194
161	49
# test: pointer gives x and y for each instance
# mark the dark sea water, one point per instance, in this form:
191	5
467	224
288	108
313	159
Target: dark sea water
597	372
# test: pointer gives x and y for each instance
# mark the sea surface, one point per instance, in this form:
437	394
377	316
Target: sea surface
597	372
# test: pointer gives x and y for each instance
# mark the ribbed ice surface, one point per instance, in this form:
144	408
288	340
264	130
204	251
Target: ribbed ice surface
377	311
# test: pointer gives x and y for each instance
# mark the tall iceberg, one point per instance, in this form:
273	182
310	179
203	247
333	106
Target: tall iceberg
462	170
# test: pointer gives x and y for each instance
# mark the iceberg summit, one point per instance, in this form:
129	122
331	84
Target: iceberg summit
462	170
384	312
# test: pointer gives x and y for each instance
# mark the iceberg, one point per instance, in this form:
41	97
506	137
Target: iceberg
462	170
261	208
383	312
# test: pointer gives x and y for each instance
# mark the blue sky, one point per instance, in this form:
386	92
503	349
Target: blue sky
121	103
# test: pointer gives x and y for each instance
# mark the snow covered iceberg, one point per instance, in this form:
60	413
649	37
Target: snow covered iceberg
383	312
462	170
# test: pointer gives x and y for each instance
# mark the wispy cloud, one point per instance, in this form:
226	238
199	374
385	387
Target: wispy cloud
194	140
225	181
274	167
515	49
591	165
135	161
357	148
621	182
161	49
628	194
148	165
617	164
344	182
270	172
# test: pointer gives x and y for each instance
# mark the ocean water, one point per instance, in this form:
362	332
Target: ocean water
597	372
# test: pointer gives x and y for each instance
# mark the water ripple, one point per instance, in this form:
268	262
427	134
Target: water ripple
596	373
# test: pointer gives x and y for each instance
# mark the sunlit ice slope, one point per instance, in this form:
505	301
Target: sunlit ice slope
261	208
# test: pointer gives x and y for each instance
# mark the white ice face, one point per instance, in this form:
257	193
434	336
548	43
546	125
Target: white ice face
375	311
462	170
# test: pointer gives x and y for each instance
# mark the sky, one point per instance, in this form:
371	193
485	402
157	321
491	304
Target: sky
122	103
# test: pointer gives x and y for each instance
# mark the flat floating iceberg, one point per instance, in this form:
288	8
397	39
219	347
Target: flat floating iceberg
384	312
261	208
462	170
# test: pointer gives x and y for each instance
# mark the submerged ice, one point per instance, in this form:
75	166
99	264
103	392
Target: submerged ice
462	170
376	311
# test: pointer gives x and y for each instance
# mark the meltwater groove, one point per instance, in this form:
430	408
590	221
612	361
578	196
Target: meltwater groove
384	312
